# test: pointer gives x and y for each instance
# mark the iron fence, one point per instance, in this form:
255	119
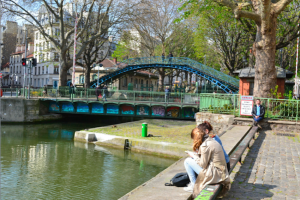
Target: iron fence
281	109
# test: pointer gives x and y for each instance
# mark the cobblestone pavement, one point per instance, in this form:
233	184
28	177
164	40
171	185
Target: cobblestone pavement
270	169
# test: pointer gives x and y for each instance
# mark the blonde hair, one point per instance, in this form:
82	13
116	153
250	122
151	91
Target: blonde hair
197	136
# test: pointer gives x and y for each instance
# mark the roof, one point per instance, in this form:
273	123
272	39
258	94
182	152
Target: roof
250	72
19	52
30	56
146	73
107	63
5	65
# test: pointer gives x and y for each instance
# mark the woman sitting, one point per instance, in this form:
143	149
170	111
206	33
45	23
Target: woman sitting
208	162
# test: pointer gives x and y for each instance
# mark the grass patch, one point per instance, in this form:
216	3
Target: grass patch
173	131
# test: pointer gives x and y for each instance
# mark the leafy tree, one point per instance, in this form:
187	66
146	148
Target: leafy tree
265	15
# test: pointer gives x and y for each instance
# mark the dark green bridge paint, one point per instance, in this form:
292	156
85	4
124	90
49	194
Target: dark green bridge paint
119	108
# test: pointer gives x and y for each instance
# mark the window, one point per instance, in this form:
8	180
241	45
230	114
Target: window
57	32
47	81
37	36
142	82
94	77
39	72
81	78
41	57
251	88
125	81
56	57
42	69
56	68
48	45
47	69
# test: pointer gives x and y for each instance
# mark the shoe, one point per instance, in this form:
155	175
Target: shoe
189	188
254	123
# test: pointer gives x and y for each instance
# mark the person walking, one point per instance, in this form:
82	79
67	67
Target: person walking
104	93
210	167
170	57
167	94
98	92
258	112
163	57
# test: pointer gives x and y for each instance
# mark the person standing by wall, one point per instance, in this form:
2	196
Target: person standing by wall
170	57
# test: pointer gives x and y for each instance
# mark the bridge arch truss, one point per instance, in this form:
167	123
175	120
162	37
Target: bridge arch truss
221	80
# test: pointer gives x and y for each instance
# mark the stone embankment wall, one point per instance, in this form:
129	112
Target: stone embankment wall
220	122
25	110
274	125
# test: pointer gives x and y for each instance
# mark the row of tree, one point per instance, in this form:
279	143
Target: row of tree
223	34
227	35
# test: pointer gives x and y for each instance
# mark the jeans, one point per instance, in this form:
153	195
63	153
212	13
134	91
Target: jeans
192	168
167	96
104	97
258	119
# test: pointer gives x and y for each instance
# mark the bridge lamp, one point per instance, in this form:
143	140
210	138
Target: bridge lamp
98	67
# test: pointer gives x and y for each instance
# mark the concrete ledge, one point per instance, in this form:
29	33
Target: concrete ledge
138	145
275	125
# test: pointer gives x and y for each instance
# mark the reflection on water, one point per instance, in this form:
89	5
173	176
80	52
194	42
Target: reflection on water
43	162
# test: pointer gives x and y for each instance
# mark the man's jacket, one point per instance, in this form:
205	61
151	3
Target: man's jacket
262	111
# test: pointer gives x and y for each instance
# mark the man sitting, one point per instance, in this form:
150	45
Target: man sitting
258	112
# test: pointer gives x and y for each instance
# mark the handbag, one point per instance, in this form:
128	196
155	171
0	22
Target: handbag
179	180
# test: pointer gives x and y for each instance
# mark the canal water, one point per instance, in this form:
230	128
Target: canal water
42	161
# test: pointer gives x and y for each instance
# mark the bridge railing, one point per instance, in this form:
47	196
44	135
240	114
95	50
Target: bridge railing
184	61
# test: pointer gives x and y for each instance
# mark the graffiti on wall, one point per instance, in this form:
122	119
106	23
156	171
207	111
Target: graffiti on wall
158	111
82	108
53	107
97	108
127	110
112	109
67	107
142	110
189	112
173	112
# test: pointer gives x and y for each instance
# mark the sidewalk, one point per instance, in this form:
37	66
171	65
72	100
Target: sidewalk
270	170
155	188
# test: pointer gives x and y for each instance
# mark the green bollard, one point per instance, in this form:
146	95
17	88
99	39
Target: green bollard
144	129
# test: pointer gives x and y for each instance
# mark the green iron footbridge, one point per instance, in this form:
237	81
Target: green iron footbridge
220	79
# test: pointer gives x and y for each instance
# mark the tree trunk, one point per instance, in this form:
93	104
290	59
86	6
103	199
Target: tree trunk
161	79
87	77
63	76
190	77
265	72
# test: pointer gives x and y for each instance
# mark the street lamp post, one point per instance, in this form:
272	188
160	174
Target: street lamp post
99	67
24	81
